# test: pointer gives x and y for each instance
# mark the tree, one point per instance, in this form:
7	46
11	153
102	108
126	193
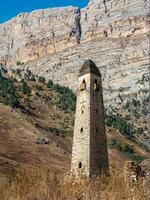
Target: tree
8	92
25	88
41	79
50	84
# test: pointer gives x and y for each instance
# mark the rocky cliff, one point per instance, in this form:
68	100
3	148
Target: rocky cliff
54	43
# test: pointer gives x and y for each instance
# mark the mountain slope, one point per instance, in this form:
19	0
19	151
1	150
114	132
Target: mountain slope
39	132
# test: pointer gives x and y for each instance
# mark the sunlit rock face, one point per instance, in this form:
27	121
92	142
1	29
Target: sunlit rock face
54	43
31	36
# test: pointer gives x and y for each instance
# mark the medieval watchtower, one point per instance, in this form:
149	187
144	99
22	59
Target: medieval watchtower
89	151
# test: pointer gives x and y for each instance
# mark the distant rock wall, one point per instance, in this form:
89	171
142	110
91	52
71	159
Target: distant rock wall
54	43
31	36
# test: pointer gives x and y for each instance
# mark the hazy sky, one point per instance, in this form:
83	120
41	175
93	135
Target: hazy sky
11	8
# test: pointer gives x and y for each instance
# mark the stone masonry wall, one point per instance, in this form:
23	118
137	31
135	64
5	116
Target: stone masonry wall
98	140
90	145
81	140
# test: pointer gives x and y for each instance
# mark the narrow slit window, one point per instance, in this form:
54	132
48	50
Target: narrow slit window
82	109
97	111
80	165
83	85
96	86
81	130
83	81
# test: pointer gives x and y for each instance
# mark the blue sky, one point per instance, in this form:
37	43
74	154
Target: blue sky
11	8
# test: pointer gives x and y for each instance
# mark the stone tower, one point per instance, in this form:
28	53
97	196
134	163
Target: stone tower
89	151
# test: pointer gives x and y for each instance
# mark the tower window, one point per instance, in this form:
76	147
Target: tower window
82	109
83	85
80	165
97	111
96	86
96	130
81	130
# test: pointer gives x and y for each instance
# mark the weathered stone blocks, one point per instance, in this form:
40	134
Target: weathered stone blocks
89	151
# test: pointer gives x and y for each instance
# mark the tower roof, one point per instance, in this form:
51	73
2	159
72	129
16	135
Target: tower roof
89	67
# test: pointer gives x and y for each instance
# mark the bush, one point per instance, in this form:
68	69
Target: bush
50	84
118	122
25	89
136	115
8	92
38	87
125	148
18	72
57	131
66	99
135	102
29	76
32	78
140	130
136	158
126	106
41	79
19	63
113	143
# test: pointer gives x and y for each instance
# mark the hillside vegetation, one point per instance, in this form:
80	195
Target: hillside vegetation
31	183
36	127
13	93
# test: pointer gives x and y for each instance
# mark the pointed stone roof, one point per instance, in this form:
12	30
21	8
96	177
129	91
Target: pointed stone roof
89	67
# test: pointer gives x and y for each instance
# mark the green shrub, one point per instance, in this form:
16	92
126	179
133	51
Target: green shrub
112	143
140	130
136	158
41	79
32	78
135	102
29	76
50	84
19	63
8	92
18	71
126	106
25	89
38	87
136	115
57	131
123	147
66	99
118	122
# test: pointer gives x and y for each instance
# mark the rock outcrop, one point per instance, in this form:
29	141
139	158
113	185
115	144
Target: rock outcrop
54	42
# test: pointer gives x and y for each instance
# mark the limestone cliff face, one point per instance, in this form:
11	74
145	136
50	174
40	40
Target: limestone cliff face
113	33
31	36
54	42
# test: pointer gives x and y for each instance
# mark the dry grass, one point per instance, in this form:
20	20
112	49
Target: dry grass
30	183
